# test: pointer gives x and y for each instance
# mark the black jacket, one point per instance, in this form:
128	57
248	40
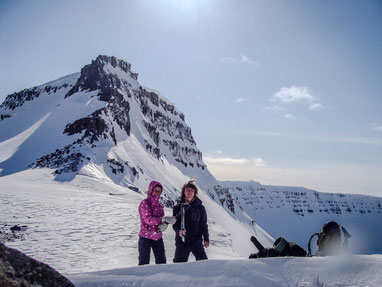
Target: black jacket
195	223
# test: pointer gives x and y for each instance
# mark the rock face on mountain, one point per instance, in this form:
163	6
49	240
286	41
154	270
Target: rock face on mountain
296	212
16	100
302	201
17	269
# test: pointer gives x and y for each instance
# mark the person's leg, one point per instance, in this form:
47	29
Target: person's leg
144	248
159	252
198	250
181	253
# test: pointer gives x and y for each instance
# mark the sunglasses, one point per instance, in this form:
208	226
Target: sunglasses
157	191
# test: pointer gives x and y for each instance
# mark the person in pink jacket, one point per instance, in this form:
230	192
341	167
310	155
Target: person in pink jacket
153	222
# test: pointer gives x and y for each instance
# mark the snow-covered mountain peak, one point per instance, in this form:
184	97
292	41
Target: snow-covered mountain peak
103	120
105	73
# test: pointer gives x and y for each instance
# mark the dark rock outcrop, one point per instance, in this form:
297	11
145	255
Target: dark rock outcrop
18	99
12	233
5	116
18	269
64	160
93	76
93	126
225	197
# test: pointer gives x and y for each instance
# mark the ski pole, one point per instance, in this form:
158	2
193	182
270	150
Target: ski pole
182	222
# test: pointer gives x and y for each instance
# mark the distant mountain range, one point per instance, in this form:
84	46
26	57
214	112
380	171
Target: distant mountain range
296	212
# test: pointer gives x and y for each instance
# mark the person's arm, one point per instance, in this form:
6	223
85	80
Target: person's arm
204	226
176	226
146	215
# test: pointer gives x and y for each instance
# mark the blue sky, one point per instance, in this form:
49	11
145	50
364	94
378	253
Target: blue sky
282	92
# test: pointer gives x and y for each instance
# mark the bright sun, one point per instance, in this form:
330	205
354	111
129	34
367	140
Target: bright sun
183	4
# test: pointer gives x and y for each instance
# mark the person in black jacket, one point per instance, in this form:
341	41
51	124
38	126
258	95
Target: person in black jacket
196	228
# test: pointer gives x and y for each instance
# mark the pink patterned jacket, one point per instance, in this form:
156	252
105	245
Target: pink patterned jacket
151	213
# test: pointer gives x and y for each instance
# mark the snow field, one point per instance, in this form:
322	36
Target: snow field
78	226
267	272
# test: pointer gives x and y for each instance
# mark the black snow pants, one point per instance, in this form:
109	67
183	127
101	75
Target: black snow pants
182	252
144	248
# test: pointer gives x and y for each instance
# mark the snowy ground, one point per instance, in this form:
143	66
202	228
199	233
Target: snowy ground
78	226
329	272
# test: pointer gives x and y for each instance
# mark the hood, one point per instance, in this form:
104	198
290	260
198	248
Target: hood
152	185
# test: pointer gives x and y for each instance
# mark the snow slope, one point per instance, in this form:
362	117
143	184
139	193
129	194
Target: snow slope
268	272
91	224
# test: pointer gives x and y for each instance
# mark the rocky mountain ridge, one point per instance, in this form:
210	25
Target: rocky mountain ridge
300	200
297	212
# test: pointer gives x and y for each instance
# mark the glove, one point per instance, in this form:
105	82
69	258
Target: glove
162	227
169	219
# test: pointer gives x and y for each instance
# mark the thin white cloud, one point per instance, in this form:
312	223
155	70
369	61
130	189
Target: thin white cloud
239	100
376	127
268	133
352	140
243	60
259	162
280	111
258	133
297	94
226	160
293	94
234	161
317	107
344	139
290	117
274	108
230	60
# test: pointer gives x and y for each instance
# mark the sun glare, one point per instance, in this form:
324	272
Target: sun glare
184	5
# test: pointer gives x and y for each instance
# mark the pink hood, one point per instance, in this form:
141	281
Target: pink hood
152	185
